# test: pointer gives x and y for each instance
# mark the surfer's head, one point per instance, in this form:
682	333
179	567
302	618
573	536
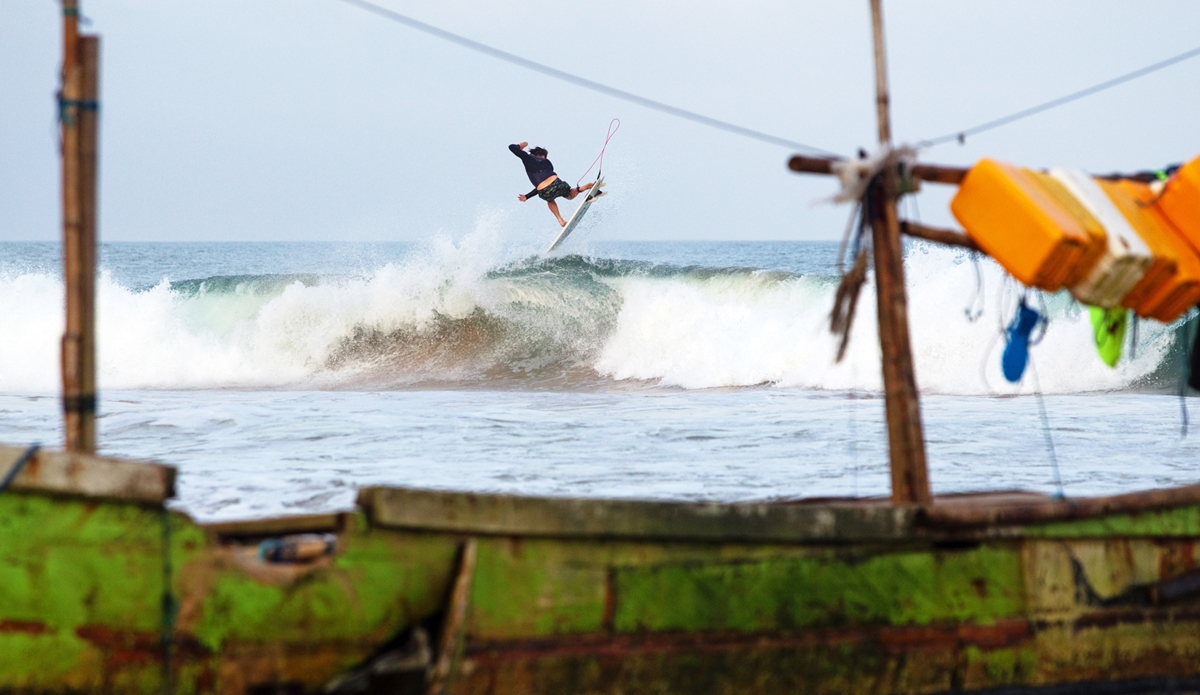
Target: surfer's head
538	151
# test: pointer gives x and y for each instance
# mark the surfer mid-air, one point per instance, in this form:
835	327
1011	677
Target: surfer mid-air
547	185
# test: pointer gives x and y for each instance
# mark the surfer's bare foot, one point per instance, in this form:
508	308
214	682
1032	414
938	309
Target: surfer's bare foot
562	222
579	189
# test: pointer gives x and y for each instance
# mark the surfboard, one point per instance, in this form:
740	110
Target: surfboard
593	193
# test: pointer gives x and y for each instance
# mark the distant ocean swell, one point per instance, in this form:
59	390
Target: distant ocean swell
466	321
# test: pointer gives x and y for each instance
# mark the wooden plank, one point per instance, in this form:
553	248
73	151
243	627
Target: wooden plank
509	515
281	525
85	475
1018	511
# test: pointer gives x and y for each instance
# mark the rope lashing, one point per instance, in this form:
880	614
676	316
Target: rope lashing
858	178
856	175
66	116
73	12
1047	434
79	404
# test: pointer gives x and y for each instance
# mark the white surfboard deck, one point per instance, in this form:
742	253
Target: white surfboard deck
592	194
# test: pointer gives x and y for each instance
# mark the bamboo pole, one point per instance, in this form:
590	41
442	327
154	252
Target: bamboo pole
937	235
906	443
925	172
78	113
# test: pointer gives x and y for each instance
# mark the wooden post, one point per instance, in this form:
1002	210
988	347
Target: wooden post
906	442
78	112
449	654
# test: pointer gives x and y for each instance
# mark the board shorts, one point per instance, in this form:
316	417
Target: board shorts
558	189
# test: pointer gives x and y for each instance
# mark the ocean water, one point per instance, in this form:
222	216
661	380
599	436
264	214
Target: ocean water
278	377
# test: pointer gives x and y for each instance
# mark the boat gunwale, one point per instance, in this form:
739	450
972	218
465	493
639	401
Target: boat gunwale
953	517
72	474
839	519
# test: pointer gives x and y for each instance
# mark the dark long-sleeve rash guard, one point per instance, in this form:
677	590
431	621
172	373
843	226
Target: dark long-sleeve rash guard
538	168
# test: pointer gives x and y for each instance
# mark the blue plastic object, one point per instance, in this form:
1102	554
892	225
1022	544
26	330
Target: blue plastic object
1016	353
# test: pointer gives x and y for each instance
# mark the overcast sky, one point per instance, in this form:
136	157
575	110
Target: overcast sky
314	120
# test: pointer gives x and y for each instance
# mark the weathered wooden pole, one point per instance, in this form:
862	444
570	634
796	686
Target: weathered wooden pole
78	116
906	442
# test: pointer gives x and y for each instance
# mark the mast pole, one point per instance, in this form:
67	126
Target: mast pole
78	120
906	442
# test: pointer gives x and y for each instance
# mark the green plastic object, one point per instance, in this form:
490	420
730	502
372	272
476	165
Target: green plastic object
1108	327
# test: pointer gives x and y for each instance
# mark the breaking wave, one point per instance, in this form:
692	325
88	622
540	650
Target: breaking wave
461	317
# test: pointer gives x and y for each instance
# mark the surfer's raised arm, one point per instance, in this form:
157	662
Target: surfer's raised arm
546	184
519	150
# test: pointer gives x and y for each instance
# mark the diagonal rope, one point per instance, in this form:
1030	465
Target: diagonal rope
1034	110
583	81
1046	433
18	465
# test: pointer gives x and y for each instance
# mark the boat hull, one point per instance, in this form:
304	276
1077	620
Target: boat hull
599	596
